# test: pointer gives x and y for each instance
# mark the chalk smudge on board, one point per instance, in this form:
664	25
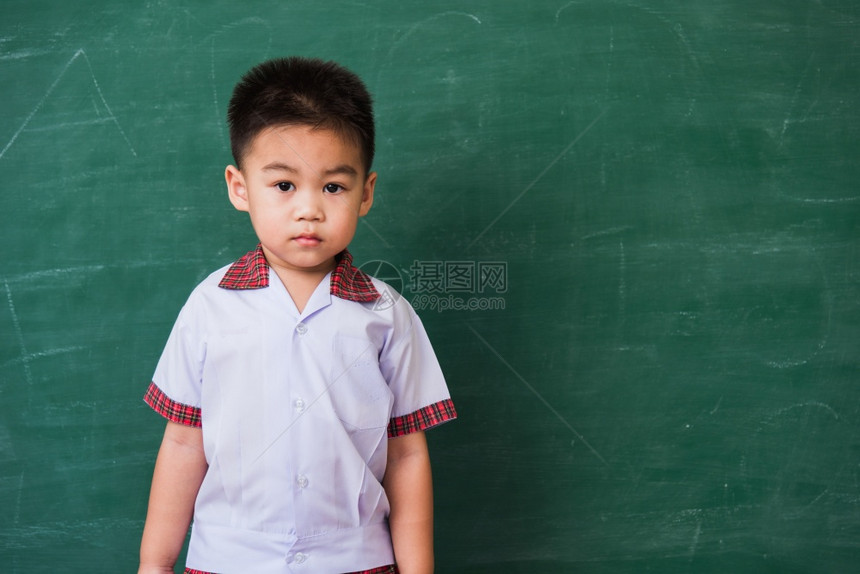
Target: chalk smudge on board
540	176
41	102
535	392
19	334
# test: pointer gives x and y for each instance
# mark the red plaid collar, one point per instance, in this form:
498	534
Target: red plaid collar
347	281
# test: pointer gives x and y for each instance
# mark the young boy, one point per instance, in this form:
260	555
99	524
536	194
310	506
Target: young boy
296	402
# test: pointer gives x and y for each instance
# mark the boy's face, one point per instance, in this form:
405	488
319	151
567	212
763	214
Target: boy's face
304	190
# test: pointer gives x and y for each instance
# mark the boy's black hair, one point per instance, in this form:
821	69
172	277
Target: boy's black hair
301	91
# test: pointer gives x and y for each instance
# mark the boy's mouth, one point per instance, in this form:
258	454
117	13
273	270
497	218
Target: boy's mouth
307	240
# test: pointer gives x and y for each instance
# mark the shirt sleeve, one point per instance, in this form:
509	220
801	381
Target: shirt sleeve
175	391
421	397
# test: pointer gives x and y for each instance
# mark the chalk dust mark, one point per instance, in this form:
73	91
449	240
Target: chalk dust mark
42	354
788	119
215	88
622	282
534	182
787	364
426	21
375	232
65	125
22	54
603	232
535	392
39	104
227	29
678	30
609	62
562	9
717	407
827	200
19	334
54	273
695	544
815	404
53	86
105	104
17	517
825	337
817	498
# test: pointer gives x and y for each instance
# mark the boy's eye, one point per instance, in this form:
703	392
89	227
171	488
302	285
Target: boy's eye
332	188
284	186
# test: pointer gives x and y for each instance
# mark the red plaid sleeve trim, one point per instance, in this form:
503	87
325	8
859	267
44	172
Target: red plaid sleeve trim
422	419
170	409
350	283
249	272
392	569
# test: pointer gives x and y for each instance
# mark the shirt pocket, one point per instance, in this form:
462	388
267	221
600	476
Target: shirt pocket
359	393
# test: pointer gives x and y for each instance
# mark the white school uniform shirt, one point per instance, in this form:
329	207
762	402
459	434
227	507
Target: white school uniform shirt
296	410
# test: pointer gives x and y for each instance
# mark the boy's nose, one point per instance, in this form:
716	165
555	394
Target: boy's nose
307	206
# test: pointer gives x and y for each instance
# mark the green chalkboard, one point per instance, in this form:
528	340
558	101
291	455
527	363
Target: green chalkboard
632	229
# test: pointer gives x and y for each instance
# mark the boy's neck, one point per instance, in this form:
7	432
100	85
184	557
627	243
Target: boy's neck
300	284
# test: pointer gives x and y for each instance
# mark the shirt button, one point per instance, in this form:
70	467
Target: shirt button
302	481
300	558
301	328
300	405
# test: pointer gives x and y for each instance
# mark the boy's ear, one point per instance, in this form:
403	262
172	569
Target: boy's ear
236	188
367	194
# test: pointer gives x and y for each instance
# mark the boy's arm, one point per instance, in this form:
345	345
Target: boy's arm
179	471
409	486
